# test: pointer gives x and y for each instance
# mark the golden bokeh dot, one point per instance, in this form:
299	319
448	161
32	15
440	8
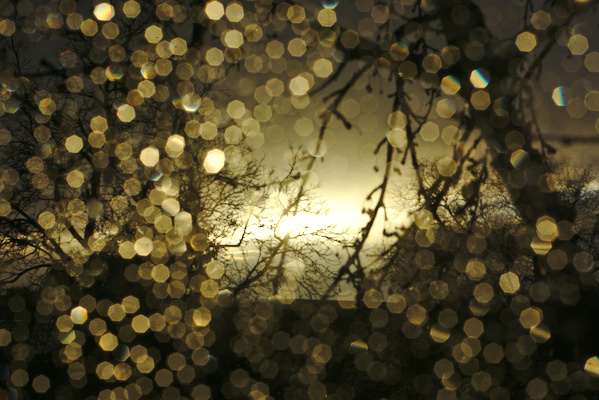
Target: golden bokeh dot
373	298
232	38
509	282
7	27
79	315
73	144
199	242
144	246
322	68
116	312
126	113
480	100
417	314
5	337
296	14
591	366
439	289
299	85
201	316
98	123
215	269
160	273
578	44
447	166
540	333
110	30
483	292
236	109
234	12
296	47
175	145
541	19
19	378
557	370
275	49
132	186
41	384
74	84
75	179
537	389
327	17
47	106
127	250
64	323
104	12
149	156
74	20
397	138
209	288
163	67
526	42
214	161
583	261
146	89
97	327
531	317
108	342
215	56
178	46
140	323
163	378
493	353
5	137
547	229
476	269
233	135
153	34
89	27
591	61
163	223
171	206
473	328
429	131
450	85
131	9
130	304
591	100
215	10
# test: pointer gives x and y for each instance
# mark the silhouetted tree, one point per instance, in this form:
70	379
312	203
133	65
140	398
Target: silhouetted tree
130	192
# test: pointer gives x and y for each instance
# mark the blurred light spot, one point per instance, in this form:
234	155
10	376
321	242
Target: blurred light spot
79	315
215	10
559	96
526	42
479	79
592	366
509	282
450	85
214	161
104	12
518	158
359	345
578	44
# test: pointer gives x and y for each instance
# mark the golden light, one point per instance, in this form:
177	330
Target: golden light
214	161
299	224
104	12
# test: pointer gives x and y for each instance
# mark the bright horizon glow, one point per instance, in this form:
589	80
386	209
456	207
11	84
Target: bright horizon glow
305	224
